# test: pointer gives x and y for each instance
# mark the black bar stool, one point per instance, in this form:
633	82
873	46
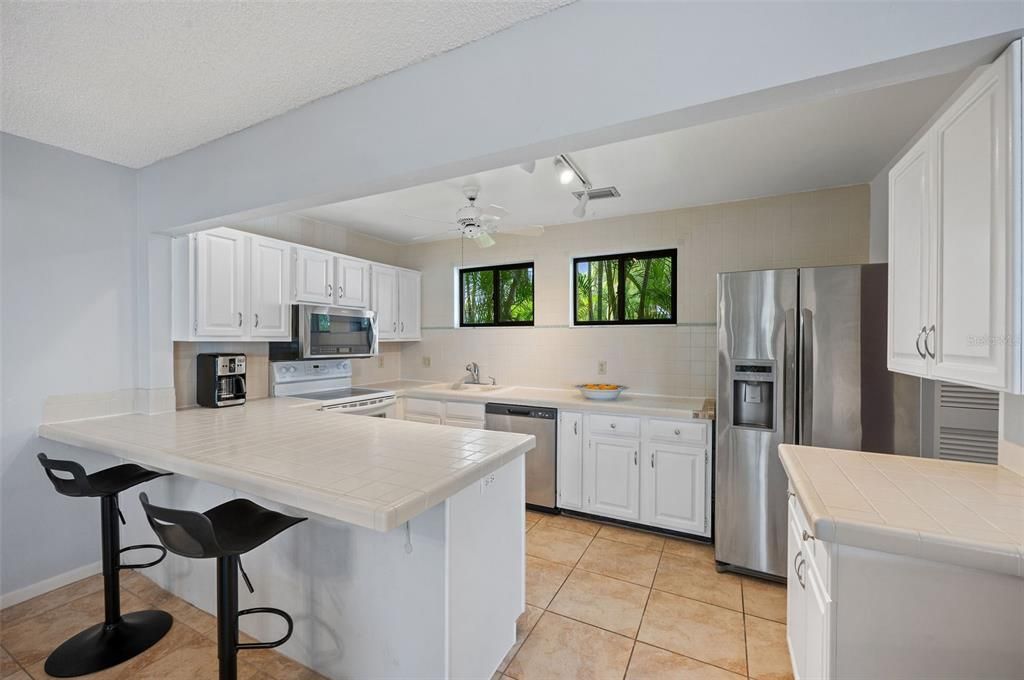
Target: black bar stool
119	637
225	532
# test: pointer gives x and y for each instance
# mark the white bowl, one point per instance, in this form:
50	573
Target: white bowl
601	395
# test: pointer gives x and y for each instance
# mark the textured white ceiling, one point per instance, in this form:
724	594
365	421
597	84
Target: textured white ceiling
834	142
134	82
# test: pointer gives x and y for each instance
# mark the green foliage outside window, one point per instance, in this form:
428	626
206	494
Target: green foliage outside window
497	296
632	288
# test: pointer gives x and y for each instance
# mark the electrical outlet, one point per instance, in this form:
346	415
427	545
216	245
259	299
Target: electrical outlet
602	367
426	362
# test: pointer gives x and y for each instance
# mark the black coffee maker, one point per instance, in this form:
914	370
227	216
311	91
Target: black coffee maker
220	380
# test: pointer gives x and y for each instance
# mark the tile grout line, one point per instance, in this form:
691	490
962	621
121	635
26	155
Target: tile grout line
650	593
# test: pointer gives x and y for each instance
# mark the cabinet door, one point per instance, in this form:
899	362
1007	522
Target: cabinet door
672	487
911	215
570	460
796	608
470	423
314	276
384	294
220	283
973	251
817	622
269	268
408	305
612	477
352	283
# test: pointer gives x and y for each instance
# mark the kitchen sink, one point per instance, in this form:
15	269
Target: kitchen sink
448	387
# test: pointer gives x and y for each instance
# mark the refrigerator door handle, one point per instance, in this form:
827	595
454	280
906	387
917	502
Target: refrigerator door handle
806	399
789	378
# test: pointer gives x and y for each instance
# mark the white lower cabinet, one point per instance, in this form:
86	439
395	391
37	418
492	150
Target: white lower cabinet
672	487
452	413
611	477
652	471
570	460
808	605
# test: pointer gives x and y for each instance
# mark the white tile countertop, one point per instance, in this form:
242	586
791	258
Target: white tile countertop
698	408
372	472
959	513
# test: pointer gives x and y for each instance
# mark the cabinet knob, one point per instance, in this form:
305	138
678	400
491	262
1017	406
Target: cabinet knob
677	431
613	426
807	536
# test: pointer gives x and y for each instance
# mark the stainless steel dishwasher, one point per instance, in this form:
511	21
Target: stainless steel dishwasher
541	463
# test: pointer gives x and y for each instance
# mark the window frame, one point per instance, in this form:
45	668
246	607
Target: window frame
620	303
496	291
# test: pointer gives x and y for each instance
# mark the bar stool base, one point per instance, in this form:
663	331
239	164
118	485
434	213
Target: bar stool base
102	646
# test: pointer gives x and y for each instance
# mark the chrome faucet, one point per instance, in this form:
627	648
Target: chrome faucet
474	373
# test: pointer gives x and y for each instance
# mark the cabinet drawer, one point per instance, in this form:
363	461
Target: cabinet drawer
471	423
464	411
616	426
423	406
677	431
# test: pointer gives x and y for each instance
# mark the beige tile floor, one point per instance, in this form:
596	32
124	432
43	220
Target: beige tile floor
609	602
31	630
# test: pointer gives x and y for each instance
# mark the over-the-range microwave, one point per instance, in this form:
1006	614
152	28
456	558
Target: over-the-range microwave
322	332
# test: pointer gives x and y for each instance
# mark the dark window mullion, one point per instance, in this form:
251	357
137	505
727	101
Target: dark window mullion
620	303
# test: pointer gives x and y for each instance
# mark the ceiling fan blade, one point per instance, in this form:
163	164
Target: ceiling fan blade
528	167
489	219
497	210
530	230
484	240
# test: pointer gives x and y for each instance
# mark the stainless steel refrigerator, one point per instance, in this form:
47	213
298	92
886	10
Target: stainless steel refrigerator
801	359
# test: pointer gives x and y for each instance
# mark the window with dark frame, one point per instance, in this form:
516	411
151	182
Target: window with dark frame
625	289
496	296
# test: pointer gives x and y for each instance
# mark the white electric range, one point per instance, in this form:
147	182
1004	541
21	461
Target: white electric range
329	382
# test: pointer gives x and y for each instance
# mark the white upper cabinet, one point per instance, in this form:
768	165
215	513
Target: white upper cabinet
408	304
314	276
351	282
973	241
955	239
219	309
384	293
911	205
395	296
570	460
672	484
270	269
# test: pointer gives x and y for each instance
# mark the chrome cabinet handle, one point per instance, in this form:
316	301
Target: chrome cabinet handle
636	458
917	342
239	319
256	324
575	427
652	461
796	558
341	291
402	325
800	574
394	327
807	536
931	331
330	290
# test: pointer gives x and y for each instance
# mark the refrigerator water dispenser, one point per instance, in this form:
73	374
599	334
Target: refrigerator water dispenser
753	390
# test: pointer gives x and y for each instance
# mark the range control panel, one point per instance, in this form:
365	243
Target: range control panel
302	371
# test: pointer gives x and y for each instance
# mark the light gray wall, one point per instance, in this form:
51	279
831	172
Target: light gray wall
583	75
67	297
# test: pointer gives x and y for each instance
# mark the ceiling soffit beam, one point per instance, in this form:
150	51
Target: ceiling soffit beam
410	127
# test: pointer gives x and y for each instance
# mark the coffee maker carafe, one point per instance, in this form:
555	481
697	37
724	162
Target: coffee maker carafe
220	380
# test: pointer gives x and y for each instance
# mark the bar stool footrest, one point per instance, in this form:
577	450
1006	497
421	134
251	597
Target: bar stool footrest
267	645
143	546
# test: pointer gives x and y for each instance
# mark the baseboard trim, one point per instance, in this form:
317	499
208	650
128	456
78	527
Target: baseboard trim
46	585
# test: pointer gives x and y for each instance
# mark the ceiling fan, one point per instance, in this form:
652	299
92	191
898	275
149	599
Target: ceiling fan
477	224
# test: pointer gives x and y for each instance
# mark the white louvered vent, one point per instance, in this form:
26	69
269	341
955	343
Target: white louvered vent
967	424
972	446
963	396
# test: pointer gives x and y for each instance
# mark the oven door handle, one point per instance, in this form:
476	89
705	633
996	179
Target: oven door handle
369	408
